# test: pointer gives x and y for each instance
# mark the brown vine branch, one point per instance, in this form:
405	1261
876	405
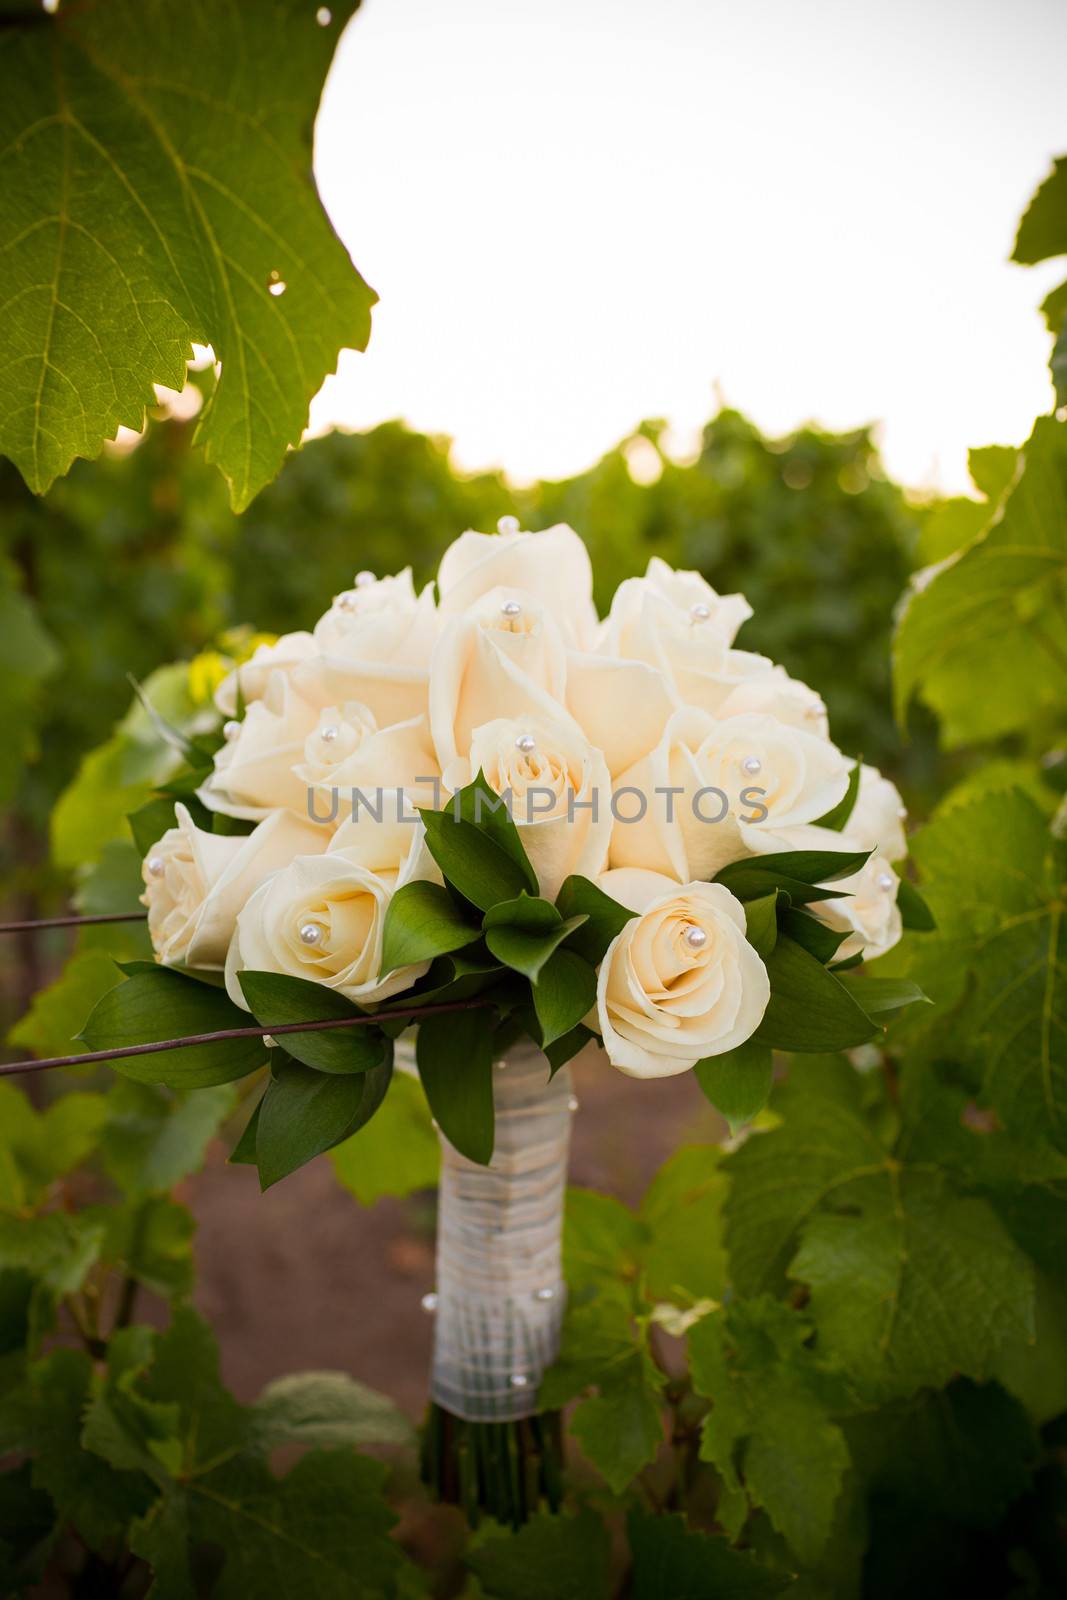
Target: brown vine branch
89	1058
72	922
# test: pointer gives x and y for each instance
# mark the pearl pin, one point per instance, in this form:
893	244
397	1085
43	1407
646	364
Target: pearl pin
526	743
544	1294
231	730
507	525
885	881
695	938
155	866
364	579
429	1302
311	933
511	609
700	612
519	1380
329	734
752	765
572	1103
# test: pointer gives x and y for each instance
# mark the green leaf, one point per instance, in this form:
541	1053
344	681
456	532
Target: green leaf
564	994
563	1049
996	968
50	1027
478	804
277	999
328	1409
761	923
620	1430
1000	600
565	1557
305	1112
802	874
36	1147
605	917
683	1256
914	912
838	815
770	1430
163	1005
397	1153
1043	229
815	937
454	1054
911	1283
738	1083
809	1008
44	1420
778	1178
158	170
153	1139
523	933
670	1560
472	861
423	921
878	996
243	1153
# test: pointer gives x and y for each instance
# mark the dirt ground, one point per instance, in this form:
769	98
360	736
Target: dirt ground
303	1277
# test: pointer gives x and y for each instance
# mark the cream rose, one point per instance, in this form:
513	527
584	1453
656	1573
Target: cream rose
253	773
552	568
773	693
560	789
373	646
197	882
870	915
714	791
346	751
877	819
503	658
322	917
680	982
676	623
249	681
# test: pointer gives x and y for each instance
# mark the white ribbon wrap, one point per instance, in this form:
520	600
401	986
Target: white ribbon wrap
500	1293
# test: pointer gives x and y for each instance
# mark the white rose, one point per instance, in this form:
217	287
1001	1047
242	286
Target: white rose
620	706
870	915
503	658
197	882
551	567
774	693
668	613
374	646
253	675
877	819
380	619
680	982
253	773
676	623
561	794
752	763
322	917
347	751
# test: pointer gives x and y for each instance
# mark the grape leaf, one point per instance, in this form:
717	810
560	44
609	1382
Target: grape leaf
566	1557
980	637
158	190
772	1397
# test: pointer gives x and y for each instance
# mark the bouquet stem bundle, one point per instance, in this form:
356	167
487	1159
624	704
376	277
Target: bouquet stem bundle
500	1299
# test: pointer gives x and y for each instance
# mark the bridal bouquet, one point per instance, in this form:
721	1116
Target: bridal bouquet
481	810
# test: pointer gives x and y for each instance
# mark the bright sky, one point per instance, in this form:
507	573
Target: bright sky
580	213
